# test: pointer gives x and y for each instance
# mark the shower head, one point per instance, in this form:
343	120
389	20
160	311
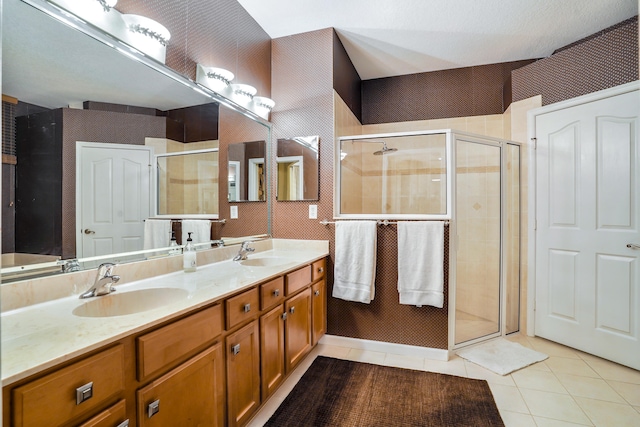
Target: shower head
385	150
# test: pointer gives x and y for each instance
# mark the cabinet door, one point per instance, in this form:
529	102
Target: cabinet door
243	374
297	328
190	395
272	349
319	311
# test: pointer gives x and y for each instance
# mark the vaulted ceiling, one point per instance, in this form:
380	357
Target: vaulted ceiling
394	37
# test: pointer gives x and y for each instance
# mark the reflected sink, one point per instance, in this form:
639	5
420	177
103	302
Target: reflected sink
120	304
265	262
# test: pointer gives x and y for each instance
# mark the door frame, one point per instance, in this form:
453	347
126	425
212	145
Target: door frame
108	146
532	176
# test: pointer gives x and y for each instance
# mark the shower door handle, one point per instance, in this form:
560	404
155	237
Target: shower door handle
633	246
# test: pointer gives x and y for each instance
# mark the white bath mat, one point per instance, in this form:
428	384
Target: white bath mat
501	356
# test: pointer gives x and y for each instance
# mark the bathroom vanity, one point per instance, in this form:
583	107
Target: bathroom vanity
205	348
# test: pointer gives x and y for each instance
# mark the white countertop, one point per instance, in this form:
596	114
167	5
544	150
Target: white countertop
43	335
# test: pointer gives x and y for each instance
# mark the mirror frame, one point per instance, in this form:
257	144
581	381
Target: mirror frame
66	18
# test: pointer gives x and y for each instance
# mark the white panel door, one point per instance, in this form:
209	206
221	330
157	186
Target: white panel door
114	198
587	210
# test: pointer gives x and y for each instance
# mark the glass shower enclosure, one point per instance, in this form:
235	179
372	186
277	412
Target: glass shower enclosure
474	182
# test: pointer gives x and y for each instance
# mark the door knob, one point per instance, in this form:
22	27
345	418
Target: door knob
633	246
87	231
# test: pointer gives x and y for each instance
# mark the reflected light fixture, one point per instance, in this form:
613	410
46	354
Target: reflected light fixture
216	79
242	94
262	106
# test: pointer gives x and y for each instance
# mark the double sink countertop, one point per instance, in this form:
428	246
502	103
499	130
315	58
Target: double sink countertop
39	336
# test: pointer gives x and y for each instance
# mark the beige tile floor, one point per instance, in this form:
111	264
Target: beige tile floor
570	388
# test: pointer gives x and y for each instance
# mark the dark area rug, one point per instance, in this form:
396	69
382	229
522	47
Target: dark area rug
343	393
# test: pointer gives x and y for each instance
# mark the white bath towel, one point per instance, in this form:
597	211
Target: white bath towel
200	230
355	265
420	262
157	233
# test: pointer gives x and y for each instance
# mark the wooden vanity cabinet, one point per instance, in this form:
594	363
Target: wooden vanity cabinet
212	367
272	349
318	311
243	373
190	395
297	328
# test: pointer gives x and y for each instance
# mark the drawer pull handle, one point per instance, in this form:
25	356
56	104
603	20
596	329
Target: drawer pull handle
317	293
153	408
84	392
247	308
276	292
292	310
235	349
125	423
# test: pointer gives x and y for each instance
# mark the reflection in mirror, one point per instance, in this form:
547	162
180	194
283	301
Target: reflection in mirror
298	173
92	94
247	161
187	183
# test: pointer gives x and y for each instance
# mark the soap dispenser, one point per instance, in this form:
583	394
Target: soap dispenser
189	256
174	249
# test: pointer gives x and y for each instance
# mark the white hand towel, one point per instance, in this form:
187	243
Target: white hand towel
200	230
420	262
157	233
355	265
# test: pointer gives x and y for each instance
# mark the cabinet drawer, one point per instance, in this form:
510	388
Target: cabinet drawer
115	416
159	349
53	399
318	269
242	307
271	293
298	279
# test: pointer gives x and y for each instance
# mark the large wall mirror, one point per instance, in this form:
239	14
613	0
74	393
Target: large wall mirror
297	168
91	130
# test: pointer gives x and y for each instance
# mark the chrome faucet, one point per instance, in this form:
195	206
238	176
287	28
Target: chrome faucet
244	251
103	283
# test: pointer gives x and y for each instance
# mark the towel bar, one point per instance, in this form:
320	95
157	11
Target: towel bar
381	222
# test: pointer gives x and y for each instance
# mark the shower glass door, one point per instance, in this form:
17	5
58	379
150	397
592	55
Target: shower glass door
478	190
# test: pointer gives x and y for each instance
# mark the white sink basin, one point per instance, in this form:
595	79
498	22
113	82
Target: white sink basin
120	304
265	262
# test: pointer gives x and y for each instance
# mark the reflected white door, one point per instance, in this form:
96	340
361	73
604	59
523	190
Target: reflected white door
588	211
114	191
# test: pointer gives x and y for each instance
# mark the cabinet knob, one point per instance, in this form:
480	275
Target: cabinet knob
292	310
247	308
84	392
235	349
320	270
276	292
317	293
284	316
125	423
153	408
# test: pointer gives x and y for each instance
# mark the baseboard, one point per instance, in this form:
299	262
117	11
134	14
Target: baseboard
386	347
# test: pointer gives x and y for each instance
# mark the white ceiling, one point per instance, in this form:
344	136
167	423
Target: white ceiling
394	37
